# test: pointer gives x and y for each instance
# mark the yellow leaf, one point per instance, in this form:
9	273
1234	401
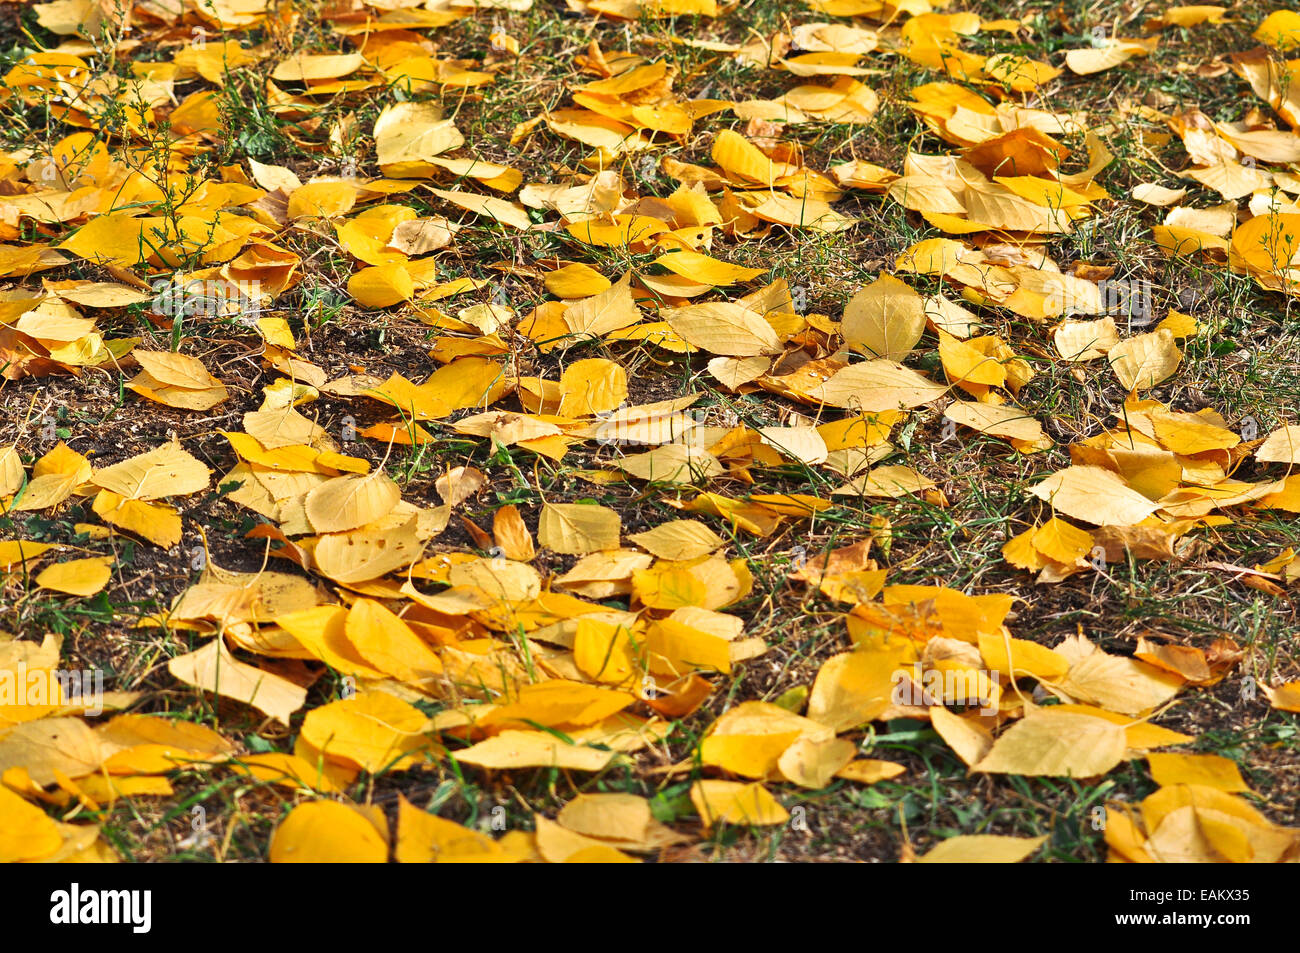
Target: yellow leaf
1000	420
558	845
604	652
274	429
106	790
751	756
382	286
407	135
176	380
1281	446
419	236
575	281
1062	542
1016	658
373	731
678	540
592	386
876	386
459	484
743	160
666	586
117	239
1284	697
892	482
751	738
1160	804
502	178
1191	16
322	200
54	477
19	552
424	838
145	744
801	212
606	311
213	669
870	771
813	764
491	207
670	463
1056	744
351	501
969	739
287	770
1020	552
175	370
49	747
372	551
271	177
622	820
1096	59
730	802
387	643
673	648
157	522
982	849
884	319
802	443
1145	360
1094	495
294	459
1138	734
965	364
165	471
511	534
1114	682
26	832
11	470
322	632
1158	195
1019	72
534	749
77	577
559	701
1280	29
705	270
578	528
311	67
624	231
327	832
468	382
1208	770
723	327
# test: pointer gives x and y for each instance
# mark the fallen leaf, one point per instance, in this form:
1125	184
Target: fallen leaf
1056	744
213	669
578	528
328	832
981	849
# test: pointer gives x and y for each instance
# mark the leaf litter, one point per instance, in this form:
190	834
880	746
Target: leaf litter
588	632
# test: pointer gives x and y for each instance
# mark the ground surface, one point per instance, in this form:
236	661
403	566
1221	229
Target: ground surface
378	708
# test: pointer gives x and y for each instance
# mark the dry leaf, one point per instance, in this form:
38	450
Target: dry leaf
213	669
